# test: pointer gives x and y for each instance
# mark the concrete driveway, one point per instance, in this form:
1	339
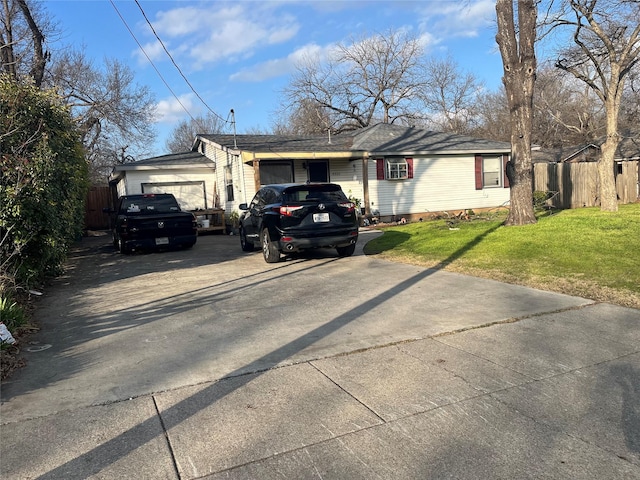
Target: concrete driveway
209	361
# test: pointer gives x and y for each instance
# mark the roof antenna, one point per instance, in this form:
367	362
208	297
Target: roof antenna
233	122
329	132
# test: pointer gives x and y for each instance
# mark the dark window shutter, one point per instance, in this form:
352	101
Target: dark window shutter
409	167
380	168
505	159
478	172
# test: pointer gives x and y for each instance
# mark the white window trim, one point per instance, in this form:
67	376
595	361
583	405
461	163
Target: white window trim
499	172
402	168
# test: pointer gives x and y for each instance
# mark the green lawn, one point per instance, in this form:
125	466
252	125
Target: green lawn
582	252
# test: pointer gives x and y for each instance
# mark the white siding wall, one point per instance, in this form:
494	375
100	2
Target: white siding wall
438	184
242	176
135	179
121	188
348	174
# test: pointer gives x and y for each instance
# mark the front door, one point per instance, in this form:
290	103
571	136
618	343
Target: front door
318	171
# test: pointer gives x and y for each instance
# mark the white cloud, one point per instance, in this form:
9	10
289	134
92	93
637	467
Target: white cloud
463	19
171	110
218	32
153	51
281	66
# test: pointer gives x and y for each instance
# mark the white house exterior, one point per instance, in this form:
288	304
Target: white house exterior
190	176
394	171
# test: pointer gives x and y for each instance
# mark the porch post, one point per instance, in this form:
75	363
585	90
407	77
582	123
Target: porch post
256	173
365	184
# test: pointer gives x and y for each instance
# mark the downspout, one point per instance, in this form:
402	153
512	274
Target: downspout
244	185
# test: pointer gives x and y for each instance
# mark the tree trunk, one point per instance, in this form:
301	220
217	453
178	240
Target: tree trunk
606	164
608	192
7	56
39	57
519	62
521	211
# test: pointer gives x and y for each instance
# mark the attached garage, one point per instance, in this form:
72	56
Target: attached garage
189	176
190	195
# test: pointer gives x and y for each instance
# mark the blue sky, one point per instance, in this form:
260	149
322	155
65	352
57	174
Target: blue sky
239	55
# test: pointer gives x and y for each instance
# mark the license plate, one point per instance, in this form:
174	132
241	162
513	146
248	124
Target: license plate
321	217
162	241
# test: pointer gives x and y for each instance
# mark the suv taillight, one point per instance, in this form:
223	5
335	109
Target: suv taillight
350	206
287	210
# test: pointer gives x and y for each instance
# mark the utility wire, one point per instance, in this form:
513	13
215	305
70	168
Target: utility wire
175	64
151	62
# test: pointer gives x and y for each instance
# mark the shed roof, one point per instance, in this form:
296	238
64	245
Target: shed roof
628	149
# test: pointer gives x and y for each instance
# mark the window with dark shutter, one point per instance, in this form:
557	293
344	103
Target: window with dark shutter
394	168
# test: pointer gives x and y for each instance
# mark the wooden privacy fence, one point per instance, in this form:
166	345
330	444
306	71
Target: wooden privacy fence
97	199
577	184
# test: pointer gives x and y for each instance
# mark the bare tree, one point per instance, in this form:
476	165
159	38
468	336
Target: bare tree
372	79
493	121
304	118
451	96
630	106
114	114
566	112
606	34
182	136
23	25
519	64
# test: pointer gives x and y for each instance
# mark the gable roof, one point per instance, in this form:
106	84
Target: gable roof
280	143
171	161
386	139
379	139
175	160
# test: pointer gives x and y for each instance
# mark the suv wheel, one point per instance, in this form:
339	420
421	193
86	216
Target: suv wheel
244	243
269	249
346	251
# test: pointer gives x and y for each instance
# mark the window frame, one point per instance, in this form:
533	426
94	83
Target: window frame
394	168
480	173
498	174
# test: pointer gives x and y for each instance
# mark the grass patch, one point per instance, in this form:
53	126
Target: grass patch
582	252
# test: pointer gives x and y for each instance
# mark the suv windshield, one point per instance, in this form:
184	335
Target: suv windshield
149	205
325	193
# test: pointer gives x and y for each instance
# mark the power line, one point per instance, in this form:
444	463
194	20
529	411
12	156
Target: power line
151	62
175	64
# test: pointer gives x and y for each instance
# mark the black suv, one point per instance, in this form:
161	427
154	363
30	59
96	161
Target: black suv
287	218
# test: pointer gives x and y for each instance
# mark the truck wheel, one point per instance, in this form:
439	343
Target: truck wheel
246	245
346	251
122	248
269	249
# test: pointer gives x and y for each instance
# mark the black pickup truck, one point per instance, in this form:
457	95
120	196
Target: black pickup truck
152	221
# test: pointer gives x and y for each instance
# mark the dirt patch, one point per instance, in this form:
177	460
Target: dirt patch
10	358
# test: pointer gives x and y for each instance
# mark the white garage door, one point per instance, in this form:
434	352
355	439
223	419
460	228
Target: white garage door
190	195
